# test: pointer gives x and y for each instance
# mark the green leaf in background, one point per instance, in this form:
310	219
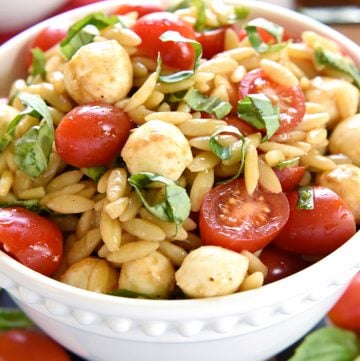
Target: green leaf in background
175	208
257	110
306	198
255	39
83	32
184	74
13	318
328	344
219	150
211	105
38	63
336	61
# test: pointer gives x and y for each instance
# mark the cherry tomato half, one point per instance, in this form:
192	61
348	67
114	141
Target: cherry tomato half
290	177
231	218
318	231
290	100
281	263
212	41
141	9
92	135
346	312
29	345
174	55
32	239
244	127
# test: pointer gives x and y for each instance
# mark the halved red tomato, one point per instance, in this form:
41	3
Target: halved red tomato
212	41
231	218
290	177
290	100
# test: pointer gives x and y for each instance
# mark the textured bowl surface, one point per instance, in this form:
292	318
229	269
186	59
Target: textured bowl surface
249	326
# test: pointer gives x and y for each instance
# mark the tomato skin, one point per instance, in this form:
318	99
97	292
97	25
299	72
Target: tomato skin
291	100
290	177
319	231
280	263
346	312
232	219
212	41
29	345
92	135
174	55
244	127
141	9
32	239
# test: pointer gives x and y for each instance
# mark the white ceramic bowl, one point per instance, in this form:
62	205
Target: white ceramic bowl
17	14
248	326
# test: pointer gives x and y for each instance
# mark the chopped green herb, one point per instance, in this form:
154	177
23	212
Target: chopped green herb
94	173
287	163
328	344
241	12
211	105
13	318
200	14
257	110
30	204
336	61
84	31
184	74
219	150
255	39
38	63
175	207
306	198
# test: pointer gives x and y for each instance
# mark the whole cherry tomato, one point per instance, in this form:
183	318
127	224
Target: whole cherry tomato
346	312
141	9
175	55
290	177
320	230
29	345
212	41
31	239
92	135
290	100
231	218
281	263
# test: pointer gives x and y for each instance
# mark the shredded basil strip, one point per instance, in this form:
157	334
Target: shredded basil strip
306	198
211	105
255	39
184	74
338	62
219	150
175	208
200	7
328	343
287	163
83	32
30	204
94	173
38	63
13	318
257	110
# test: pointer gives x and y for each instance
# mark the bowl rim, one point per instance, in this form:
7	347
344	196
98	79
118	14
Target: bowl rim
267	295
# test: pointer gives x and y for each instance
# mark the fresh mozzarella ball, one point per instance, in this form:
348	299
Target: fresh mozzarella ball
345	181
345	139
211	271
99	71
152	275
157	147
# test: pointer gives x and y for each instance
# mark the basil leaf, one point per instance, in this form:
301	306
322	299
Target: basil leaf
94	173
219	150
184	74
13	318
255	39
83	32
257	110
38	63
211	105
35	107
328	344
200	22
30	204
336	61
129	294
287	163
306	198
176	206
